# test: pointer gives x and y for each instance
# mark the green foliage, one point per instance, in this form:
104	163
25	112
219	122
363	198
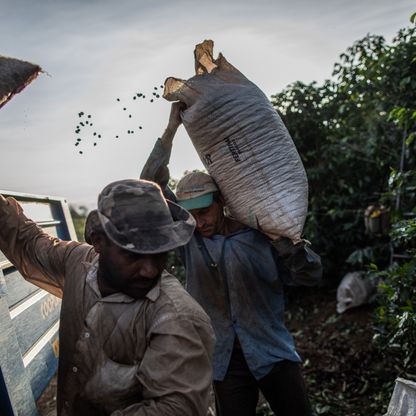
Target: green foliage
404	232
349	133
361	256
396	315
356	136
79	215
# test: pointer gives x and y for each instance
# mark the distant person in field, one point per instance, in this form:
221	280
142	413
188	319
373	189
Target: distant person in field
237	274
132	340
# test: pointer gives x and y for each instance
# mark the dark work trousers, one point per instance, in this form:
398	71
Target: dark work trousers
283	388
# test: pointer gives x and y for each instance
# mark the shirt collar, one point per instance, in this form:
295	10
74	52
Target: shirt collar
154	292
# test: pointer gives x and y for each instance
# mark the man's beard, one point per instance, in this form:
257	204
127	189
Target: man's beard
109	281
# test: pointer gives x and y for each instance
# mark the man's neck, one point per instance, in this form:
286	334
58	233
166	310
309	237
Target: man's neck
230	226
103	286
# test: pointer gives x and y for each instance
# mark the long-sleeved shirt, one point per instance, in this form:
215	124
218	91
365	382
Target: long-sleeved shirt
118	356
238	279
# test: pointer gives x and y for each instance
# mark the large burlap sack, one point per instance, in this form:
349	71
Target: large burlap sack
244	145
14	76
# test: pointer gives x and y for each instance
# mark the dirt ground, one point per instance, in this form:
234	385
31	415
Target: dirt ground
47	402
344	373
342	368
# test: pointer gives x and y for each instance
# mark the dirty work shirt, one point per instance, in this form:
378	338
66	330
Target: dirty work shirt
238	279
118	355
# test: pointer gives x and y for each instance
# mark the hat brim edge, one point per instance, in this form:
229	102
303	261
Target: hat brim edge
182	230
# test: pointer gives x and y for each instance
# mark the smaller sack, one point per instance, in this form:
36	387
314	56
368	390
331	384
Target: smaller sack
14	76
354	291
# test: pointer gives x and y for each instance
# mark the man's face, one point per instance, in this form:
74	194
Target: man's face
209	220
127	272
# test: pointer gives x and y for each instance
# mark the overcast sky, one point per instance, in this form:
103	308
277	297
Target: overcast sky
95	51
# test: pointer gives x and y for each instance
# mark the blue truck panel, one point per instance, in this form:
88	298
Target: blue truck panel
29	316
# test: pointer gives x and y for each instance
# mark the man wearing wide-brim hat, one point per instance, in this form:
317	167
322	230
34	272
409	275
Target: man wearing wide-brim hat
132	341
237	275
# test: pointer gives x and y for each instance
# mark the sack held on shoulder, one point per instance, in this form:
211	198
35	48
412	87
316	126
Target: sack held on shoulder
243	144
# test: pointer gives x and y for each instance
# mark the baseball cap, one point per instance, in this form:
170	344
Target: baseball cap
196	190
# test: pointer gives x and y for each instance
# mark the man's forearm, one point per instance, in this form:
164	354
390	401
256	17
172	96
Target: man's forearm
168	136
28	248
156	167
14	229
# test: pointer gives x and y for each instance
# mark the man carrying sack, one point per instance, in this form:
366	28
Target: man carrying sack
132	341
237	274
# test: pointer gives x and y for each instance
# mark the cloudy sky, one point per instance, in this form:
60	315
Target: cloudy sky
97	51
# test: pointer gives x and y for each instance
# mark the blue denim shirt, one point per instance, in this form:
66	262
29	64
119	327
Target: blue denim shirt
238	280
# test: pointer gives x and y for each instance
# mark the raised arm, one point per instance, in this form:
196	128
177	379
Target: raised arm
39	257
156	168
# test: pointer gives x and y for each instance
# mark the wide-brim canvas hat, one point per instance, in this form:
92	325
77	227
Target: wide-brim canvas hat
196	190
135	215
